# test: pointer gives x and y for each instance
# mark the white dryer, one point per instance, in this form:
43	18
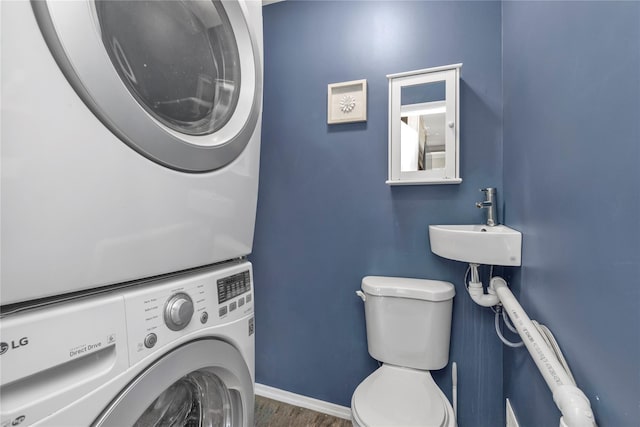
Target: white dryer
130	140
176	352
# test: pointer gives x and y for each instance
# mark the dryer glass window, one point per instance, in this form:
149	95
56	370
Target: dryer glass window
179	59
197	399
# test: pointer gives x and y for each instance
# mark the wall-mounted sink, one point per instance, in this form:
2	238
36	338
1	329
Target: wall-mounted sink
478	244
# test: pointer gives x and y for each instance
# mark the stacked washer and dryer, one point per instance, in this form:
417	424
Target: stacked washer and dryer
130	154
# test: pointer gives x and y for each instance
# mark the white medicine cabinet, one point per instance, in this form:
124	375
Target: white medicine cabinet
424	128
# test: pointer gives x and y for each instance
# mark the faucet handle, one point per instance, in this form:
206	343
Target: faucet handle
490	204
485	204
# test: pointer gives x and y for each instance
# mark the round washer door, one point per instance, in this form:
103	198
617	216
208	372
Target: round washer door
180	82
204	383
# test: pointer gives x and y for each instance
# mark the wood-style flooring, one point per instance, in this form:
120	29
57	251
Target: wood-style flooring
271	413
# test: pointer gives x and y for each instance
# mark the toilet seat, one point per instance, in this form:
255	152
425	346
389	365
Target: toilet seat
395	396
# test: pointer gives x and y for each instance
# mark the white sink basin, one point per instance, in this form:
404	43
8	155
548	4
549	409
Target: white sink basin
478	244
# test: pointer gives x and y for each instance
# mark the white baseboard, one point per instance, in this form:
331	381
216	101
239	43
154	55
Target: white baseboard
512	421
303	401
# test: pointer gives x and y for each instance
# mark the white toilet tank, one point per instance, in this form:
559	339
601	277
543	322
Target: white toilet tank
408	321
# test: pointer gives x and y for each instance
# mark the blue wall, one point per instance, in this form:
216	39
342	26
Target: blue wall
571	176
326	218
570	73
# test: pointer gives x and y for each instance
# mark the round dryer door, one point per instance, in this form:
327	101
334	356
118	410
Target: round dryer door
201	384
180	82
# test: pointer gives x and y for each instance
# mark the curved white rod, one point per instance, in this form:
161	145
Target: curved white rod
454	389
574	405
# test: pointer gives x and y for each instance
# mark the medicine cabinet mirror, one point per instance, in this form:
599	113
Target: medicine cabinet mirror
424	126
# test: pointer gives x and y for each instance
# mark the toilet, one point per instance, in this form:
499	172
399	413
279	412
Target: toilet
408	329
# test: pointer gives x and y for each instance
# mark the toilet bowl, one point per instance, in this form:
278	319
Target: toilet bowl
408	329
396	396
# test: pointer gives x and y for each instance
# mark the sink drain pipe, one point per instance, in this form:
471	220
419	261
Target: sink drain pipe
572	402
476	290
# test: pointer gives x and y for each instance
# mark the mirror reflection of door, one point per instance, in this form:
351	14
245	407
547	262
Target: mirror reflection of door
422	127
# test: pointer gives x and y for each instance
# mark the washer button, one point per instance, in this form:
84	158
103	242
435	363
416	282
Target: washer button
233	306
240	302
150	340
222	311
204	317
248	298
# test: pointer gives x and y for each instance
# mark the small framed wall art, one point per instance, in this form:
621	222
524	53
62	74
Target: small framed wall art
347	102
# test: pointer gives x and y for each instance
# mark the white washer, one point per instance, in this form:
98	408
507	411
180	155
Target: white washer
181	349
130	140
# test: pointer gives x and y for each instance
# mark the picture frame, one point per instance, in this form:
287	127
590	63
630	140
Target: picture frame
347	102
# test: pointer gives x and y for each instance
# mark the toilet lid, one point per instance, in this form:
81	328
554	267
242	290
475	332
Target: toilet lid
395	396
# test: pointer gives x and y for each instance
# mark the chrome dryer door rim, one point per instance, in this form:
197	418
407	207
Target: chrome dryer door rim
73	32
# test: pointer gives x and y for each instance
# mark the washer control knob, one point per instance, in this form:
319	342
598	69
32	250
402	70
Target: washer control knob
178	311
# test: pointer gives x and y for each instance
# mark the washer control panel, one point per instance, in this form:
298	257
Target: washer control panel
162	312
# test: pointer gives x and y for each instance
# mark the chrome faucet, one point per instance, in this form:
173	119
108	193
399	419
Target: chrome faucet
490	205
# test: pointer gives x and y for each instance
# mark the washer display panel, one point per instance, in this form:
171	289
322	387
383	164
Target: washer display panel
180	82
